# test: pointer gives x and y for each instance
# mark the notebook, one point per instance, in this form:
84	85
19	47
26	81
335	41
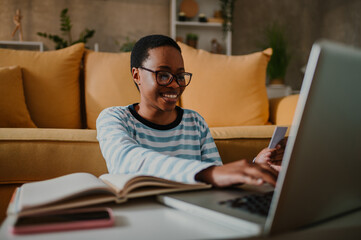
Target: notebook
320	177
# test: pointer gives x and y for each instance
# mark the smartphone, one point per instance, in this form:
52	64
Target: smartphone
64	220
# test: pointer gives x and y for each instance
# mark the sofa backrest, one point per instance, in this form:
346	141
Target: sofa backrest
225	90
51	84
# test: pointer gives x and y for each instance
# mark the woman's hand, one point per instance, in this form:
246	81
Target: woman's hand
272	156
238	172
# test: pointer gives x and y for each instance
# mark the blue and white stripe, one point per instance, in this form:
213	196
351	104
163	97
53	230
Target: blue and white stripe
179	153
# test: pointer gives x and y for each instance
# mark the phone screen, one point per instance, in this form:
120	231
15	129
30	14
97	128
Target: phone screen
64	220
61	218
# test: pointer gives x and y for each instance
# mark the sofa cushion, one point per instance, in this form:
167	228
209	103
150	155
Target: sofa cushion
51	84
28	154
227	90
282	110
13	109
108	82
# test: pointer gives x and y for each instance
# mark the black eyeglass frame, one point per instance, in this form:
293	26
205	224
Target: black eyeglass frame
171	79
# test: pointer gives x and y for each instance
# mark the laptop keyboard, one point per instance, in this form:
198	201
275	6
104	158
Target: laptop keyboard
254	203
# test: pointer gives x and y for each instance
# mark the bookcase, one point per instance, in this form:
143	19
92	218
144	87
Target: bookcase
22	45
206	31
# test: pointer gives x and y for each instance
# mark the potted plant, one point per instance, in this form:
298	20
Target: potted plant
127	46
65	28
277	66
227	7
192	39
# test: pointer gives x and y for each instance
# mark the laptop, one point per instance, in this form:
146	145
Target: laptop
320	177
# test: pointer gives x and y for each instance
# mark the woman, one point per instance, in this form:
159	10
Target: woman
156	137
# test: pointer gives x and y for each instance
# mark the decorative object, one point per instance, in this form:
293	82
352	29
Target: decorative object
178	39
192	40
190	8
216	46
205	31
277	67
202	17
17	21
65	28
181	16
227	7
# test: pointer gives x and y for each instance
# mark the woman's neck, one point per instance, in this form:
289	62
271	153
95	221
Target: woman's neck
156	116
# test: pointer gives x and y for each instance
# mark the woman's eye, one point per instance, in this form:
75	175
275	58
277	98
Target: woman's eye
163	76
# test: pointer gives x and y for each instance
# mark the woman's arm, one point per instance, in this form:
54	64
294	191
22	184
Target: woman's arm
124	155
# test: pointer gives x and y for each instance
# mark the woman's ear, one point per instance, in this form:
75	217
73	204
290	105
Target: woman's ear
136	77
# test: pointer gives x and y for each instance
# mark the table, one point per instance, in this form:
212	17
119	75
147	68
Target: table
144	218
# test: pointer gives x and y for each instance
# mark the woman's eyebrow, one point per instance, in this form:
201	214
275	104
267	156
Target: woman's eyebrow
168	68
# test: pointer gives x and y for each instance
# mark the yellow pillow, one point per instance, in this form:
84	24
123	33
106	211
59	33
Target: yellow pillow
108	82
283	109
13	109
51	84
227	90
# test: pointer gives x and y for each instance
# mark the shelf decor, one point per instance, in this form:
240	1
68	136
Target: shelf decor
192	40
190	8
207	25
227	7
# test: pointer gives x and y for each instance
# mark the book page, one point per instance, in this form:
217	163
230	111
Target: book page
125	183
117	181
53	190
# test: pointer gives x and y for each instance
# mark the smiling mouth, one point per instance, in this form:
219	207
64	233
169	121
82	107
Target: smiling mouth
171	96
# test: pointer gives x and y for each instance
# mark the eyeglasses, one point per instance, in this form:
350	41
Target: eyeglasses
164	78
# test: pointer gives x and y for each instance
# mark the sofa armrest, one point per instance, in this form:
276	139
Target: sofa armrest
241	142
283	109
32	154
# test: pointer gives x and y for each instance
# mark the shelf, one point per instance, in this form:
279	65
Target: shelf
206	31
22	45
198	24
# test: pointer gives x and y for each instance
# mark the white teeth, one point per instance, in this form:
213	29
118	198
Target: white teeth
170	95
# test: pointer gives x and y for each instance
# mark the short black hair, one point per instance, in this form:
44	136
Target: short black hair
143	45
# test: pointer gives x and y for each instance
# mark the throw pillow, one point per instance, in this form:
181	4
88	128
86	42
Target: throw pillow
227	90
13	109
51	84
108	82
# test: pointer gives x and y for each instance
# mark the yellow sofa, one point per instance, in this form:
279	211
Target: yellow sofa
49	102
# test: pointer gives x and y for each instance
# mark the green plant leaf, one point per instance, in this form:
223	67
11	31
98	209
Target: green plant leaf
275	39
65	28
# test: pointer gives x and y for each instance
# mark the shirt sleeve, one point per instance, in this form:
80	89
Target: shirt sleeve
123	154
209	149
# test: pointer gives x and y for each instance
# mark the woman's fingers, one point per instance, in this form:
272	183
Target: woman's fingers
262	171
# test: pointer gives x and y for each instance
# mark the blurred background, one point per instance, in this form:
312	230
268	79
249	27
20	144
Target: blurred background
118	23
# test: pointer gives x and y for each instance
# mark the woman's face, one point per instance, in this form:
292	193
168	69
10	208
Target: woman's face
154	96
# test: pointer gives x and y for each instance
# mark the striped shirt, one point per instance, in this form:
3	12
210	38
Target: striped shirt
178	151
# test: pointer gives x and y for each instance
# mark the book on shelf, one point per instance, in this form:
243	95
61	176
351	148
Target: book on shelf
84	189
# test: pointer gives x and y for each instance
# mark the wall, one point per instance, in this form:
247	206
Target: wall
305	21
113	20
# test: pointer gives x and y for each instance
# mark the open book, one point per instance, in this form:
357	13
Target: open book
82	189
